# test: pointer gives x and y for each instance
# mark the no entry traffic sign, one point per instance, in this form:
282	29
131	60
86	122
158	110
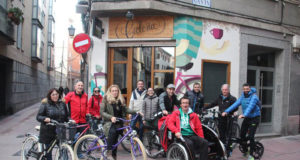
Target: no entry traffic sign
82	43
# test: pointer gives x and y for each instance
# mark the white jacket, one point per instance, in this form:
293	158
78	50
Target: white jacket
136	100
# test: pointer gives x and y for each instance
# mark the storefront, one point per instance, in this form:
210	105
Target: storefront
184	50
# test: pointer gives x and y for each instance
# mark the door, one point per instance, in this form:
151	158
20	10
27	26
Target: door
262	78
154	65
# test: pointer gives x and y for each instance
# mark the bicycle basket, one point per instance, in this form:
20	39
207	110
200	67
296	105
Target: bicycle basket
65	132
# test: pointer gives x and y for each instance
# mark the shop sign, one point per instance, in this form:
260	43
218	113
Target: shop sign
205	3
141	27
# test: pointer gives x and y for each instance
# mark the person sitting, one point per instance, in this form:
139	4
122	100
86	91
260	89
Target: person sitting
113	106
185	123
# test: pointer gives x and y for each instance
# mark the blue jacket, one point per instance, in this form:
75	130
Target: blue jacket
249	104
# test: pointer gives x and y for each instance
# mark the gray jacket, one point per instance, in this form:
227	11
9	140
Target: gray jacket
150	107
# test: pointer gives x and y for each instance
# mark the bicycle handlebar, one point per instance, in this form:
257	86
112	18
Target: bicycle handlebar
125	120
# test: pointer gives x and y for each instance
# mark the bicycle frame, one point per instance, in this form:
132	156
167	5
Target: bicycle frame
180	77
118	143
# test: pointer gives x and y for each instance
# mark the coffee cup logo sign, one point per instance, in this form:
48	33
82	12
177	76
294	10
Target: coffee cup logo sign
141	27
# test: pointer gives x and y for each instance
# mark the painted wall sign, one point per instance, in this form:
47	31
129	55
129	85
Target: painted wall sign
141	27
205	3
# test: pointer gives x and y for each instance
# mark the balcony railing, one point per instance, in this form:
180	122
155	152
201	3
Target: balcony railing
6	29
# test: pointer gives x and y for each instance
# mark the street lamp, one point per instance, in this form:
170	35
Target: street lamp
71	31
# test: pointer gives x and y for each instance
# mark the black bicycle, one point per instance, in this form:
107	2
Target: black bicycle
232	139
151	138
32	149
210	118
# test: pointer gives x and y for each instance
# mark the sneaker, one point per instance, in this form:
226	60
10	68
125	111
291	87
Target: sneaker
250	157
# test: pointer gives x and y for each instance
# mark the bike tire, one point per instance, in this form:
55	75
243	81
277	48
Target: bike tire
34	146
84	139
236	131
66	148
126	145
151	142
138	146
259	150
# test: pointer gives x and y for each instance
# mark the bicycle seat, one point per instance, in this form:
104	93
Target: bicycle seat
37	128
187	66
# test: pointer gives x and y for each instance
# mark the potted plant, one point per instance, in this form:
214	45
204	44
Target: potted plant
15	14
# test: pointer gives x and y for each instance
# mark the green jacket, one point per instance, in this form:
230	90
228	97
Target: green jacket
107	112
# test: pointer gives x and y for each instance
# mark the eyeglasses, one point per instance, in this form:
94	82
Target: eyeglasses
97	91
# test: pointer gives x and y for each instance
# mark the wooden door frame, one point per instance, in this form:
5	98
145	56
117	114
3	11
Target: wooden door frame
219	62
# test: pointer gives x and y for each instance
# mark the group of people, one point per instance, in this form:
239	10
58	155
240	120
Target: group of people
144	103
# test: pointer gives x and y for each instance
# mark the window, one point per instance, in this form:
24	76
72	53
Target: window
37	46
43	18
3	4
210	84
19	36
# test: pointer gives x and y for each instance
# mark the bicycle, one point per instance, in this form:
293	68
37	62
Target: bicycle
32	149
232	140
90	146
151	139
211	121
185	82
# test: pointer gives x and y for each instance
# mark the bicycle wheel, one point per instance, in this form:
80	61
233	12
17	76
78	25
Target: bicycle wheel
177	151
126	145
65	152
82	146
138	149
259	150
30	148
152	145
236	130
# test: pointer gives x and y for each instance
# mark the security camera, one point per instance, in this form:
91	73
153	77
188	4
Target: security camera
129	15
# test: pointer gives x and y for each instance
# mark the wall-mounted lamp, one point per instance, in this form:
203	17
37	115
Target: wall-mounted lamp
71	31
129	15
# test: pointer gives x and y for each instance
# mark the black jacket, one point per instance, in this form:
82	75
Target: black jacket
223	103
56	112
196	101
166	103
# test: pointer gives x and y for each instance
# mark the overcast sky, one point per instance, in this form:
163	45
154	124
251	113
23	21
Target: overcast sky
65	15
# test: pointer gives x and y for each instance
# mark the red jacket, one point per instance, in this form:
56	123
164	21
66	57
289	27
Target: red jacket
78	106
94	109
195	123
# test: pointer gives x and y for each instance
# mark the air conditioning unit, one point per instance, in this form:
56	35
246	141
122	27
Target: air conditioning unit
296	41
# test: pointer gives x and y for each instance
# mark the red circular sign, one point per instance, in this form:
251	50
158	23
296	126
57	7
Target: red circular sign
82	43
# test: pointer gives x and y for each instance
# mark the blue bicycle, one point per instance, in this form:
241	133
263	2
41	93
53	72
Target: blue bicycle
95	147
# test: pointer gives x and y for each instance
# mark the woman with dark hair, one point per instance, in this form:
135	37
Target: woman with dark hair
94	103
51	108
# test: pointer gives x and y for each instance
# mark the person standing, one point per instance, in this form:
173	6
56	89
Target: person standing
113	106
77	101
94	103
251	112
150	106
223	101
196	98
52	108
168	100
136	102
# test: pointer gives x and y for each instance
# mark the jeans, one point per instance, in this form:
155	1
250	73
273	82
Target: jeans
198	146
140	130
249	124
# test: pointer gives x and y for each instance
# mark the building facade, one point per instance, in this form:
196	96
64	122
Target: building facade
211	42
26	53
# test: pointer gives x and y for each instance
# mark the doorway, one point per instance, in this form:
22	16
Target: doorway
155	65
260	75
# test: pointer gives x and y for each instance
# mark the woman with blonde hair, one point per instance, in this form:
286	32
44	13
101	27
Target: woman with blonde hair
113	106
